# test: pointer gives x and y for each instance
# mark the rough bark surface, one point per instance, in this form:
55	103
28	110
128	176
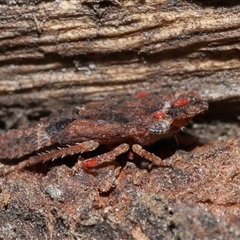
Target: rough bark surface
197	199
56	53
71	51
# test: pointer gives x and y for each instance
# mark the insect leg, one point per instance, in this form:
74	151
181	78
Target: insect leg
54	154
103	158
150	156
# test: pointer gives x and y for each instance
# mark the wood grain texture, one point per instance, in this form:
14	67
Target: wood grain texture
63	52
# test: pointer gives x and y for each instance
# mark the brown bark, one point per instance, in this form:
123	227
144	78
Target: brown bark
69	52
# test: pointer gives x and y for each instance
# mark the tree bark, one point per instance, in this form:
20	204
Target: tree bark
56	53
72	51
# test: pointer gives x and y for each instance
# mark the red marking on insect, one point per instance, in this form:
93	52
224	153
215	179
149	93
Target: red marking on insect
181	102
159	115
90	163
128	123
142	94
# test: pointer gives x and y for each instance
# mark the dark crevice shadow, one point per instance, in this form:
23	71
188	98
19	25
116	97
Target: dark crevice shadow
227	110
215	3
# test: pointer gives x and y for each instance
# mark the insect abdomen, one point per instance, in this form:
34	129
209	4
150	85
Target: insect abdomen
20	142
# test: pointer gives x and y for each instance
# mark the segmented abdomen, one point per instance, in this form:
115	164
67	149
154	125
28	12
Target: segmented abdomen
22	141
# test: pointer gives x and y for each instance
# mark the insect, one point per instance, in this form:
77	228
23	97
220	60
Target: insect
128	123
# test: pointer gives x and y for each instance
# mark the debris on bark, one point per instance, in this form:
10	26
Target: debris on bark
196	199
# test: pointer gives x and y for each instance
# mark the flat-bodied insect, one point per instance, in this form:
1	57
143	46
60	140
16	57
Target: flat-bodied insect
130	123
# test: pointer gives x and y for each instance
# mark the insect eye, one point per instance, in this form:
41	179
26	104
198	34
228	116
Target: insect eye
159	115
181	102
142	94
160	127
